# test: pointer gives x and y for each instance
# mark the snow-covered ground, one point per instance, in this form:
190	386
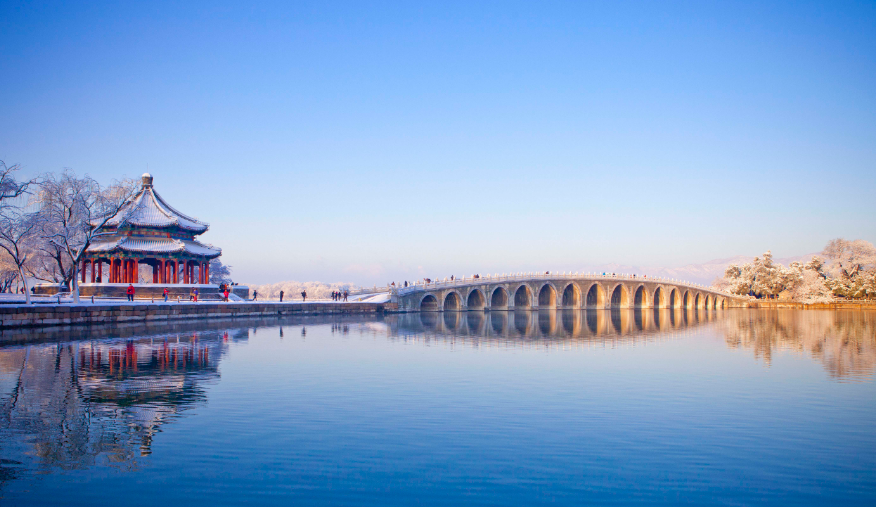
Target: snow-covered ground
380	297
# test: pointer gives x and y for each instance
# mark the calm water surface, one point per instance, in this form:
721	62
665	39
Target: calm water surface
742	407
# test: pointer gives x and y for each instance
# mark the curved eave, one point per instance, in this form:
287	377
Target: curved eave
154	246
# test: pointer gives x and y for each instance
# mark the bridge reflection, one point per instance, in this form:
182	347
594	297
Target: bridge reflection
588	325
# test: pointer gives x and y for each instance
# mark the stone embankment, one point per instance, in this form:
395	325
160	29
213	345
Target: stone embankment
838	305
12	316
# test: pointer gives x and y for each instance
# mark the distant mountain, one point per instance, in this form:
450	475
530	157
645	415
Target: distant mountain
703	273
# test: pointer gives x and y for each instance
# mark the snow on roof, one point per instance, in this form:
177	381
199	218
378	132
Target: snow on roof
148	209
153	245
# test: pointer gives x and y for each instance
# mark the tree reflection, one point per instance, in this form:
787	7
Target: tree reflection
82	403
843	341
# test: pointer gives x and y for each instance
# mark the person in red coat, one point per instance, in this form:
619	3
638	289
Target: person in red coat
130	292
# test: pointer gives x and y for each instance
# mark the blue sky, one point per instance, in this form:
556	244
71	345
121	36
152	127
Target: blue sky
370	142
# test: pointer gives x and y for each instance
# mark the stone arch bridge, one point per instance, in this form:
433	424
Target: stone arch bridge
560	291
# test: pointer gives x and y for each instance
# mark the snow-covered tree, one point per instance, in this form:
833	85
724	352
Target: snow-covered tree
8	272
219	273
51	264
18	225
74	209
764	278
852	268
848	258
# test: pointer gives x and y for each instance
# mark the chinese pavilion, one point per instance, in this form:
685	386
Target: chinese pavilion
149	231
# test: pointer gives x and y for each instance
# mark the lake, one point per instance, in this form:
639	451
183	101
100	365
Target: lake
734	407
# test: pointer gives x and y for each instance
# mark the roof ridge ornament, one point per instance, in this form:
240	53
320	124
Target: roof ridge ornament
147	180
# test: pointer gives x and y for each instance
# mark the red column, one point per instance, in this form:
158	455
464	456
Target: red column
175	271
83	271
201	273
100	270
123	268
207	272
155	273
135	272
161	271
93	274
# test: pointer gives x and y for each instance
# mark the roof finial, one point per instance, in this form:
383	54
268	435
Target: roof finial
147	179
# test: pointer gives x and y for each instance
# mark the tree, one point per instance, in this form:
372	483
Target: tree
18	226
219	273
852	266
760	278
8	272
50	263
73	210
764	278
848	258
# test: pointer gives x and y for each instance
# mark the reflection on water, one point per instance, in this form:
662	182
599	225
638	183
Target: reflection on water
102	402
73	399
551	327
844	341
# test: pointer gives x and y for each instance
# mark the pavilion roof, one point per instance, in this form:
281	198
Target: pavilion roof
148	209
152	245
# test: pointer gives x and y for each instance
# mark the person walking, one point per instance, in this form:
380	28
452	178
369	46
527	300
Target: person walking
345	296
255	295
130	292
304	295
166	293
225	293
281	296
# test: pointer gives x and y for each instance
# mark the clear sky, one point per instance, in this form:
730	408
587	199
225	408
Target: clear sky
370	142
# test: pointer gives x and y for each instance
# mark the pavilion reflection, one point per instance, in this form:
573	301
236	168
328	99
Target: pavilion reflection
80	403
616	324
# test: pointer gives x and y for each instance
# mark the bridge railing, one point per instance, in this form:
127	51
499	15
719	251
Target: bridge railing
518	277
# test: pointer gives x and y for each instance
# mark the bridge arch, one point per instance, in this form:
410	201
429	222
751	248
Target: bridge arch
620	296
571	296
452	301
428	303
547	296
476	300
595	296
674	298
659	297
522	296
709	305
698	301
640	299
499	298
686	300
